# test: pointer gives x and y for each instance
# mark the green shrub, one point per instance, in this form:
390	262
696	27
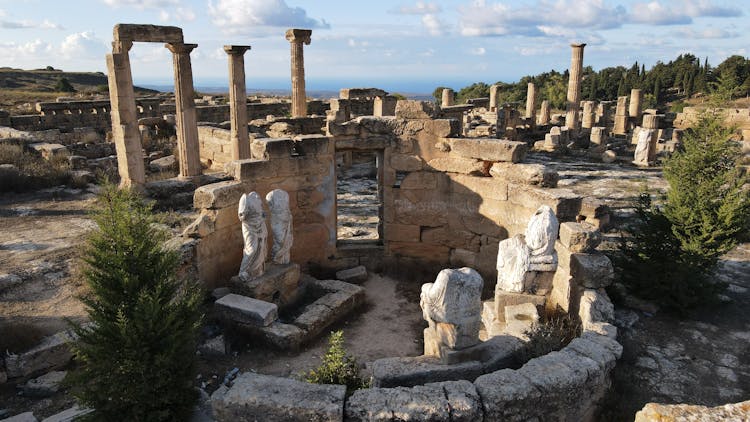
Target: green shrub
63	85
667	255
552	333
338	367
137	357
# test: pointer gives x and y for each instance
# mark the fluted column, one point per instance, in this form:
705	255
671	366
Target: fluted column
125	133
588	116
188	149
296	38
447	97
574	86
531	104
238	101
544	113
621	116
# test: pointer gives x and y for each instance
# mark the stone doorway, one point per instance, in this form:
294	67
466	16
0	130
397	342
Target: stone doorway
359	197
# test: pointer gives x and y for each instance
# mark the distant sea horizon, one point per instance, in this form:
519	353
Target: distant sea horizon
321	89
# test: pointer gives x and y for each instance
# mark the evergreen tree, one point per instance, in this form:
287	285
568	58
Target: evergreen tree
657	91
63	85
137	357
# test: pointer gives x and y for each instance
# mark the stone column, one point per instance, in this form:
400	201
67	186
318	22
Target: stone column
125	132
188	148
651	122
531	104
238	101
636	99
384	106
621	116
544	113
296	38
574	86
494	93
587	120
447	97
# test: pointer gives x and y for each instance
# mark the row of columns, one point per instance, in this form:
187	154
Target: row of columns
124	115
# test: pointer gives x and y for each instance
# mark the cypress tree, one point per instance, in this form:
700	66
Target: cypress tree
137	356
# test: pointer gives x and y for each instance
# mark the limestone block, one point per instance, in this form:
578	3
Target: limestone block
565	203
508	395
579	237
260	397
246	310
147	33
357	274
419	180
457	165
49	150
530	174
410	109
279	284
522	312
402	232
655	412
22	417
505	299
594	307
488	149
591	270
44	386
453	400
420	370
443	128
214	347
69	415
453	238
403	162
52	352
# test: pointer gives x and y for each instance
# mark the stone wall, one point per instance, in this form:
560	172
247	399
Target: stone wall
737	117
66	116
304	167
215	146
83	135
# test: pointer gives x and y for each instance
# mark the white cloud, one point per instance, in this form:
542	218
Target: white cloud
244	16
479	51
83	45
142	4
707	33
661	13
25	24
434	25
420	8
180	14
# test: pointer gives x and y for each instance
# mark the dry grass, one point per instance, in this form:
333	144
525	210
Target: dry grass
34	172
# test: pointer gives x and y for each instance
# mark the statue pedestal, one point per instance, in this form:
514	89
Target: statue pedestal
279	284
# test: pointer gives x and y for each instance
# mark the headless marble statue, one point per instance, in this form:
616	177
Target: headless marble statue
281	225
254	233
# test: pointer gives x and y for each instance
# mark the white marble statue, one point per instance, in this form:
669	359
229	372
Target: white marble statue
455	299
254	233
281	225
519	255
541	234
643	147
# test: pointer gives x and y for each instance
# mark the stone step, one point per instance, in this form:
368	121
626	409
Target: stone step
246	310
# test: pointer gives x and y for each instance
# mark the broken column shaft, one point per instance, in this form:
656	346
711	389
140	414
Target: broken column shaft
574	86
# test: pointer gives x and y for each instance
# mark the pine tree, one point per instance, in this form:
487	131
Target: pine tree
137	356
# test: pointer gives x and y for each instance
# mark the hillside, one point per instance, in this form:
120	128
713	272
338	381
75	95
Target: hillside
20	88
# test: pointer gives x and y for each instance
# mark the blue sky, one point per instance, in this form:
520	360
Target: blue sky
407	46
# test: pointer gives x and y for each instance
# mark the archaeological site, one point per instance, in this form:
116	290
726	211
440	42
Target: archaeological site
453	259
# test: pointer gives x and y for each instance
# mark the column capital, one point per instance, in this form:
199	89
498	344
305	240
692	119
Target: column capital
578	45
236	49
299	35
180	48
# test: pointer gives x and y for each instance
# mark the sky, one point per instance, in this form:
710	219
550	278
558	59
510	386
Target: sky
402	46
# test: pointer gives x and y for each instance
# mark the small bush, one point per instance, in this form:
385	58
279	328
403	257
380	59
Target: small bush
554	332
137	358
63	85
338	367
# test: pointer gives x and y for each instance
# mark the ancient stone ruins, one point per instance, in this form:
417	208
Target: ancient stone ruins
456	203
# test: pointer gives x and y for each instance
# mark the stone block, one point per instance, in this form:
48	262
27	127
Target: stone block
419	180
452	238
457	165
485	187
591	270
420	370
147	33
254	397
508	395
404	162
489	149
456	401
246	310
402	232
357	274
22	417
530	174
44	386
69	415
410	109
53	352
279	284
279	335
497	352
579	237
654	412
213	347
443	128
505	299
564	203
594	307
49	150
